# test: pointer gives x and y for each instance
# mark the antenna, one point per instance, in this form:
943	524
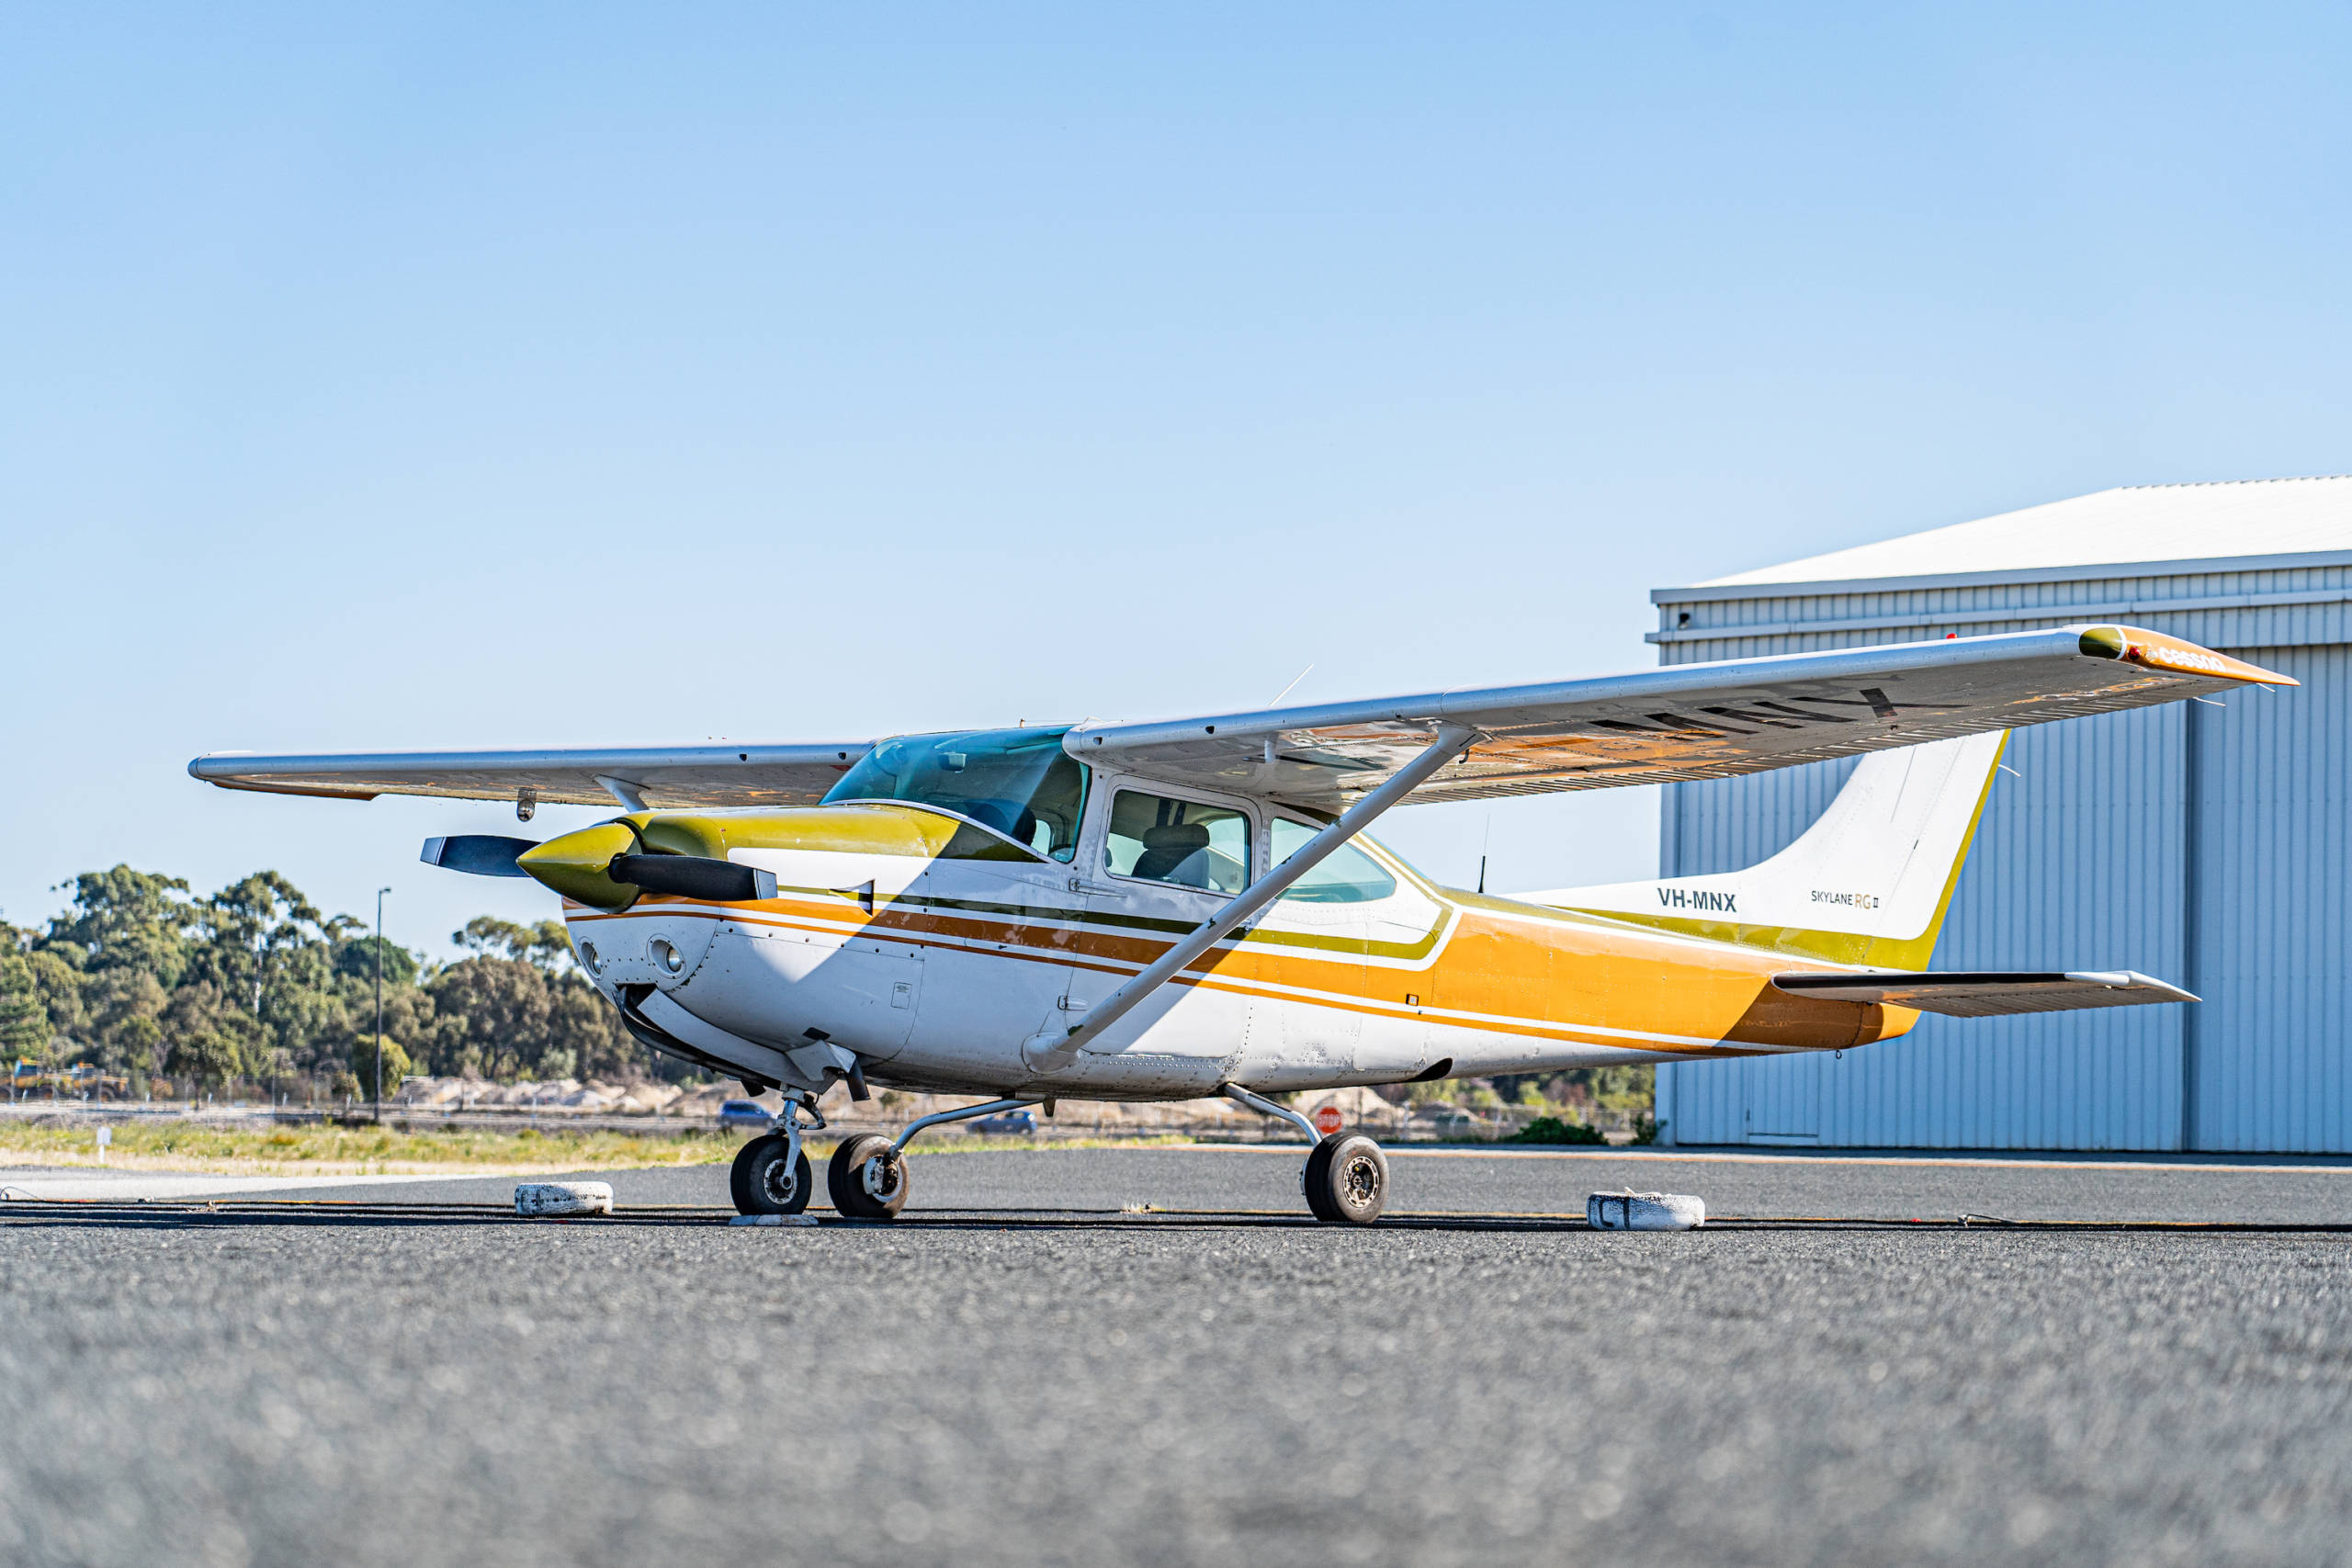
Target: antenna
1486	839
1293	680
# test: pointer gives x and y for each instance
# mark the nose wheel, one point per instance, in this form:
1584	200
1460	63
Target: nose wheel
771	1176
1346	1179
867	1177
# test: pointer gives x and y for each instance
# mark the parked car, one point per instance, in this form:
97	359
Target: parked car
1006	1121
744	1113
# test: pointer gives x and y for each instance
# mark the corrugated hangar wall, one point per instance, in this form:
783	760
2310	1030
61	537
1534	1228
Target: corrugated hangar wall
2203	844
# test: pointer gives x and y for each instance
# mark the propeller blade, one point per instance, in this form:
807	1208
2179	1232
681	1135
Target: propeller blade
478	855
694	876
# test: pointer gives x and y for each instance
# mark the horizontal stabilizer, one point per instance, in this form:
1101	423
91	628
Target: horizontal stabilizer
1988	993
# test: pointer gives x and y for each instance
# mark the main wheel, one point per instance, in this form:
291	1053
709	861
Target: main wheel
1315	1179
867	1177
762	1183
1347	1180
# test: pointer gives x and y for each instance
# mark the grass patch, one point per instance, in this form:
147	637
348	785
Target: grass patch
329	1150
290	1151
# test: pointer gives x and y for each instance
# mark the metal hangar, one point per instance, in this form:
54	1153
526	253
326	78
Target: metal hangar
2207	843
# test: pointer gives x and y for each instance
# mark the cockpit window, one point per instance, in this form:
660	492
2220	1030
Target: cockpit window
1346	876
1019	781
1158	839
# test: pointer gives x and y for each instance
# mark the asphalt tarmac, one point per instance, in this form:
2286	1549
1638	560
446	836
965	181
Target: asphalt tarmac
1019	1377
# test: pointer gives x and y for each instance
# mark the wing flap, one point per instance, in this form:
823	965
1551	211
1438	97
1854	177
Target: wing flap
1988	994
1689	721
659	776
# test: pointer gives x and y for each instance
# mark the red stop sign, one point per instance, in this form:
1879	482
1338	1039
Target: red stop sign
1327	1120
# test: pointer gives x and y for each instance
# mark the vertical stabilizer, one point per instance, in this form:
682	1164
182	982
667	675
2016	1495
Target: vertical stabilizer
1868	883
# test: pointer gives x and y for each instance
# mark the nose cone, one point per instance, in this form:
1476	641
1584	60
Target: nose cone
576	865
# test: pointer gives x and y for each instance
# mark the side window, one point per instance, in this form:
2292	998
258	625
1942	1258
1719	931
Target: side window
1347	875
1182	841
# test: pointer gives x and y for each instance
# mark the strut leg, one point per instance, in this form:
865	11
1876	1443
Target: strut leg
1265	1107
967	1114
1345	1179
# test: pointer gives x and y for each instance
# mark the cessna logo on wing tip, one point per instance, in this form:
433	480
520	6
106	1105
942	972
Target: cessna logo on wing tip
1688	899
1851	901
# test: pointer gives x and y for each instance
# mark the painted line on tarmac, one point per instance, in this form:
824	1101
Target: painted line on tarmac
168	1186
2322	1165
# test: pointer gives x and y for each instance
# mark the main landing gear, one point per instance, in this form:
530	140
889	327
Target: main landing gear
867	1177
1346	1178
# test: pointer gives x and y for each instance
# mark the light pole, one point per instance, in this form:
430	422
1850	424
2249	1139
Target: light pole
379	1004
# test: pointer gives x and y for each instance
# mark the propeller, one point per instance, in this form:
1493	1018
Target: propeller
694	876
478	855
587	871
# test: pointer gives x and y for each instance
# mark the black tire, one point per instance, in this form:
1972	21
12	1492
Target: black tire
1315	1181
1347	1180
739	1182
849	1174
761	1185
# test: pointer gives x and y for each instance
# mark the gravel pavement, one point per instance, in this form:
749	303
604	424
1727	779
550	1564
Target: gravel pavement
1164	1392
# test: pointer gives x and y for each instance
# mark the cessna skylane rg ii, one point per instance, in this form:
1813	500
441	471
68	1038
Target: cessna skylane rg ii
1188	907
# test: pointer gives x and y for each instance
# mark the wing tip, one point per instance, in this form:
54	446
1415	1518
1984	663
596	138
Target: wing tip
2175	655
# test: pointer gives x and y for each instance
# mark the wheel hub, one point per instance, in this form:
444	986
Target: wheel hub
780	1179
879	1177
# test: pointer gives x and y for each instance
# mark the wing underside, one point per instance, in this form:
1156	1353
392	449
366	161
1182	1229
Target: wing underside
1692	721
656	776
1988	994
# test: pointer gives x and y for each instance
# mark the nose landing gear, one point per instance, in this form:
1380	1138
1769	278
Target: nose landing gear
770	1174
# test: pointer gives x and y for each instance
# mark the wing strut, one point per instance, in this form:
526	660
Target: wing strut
1046	1053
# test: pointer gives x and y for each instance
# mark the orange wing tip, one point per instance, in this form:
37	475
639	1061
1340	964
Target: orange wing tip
2176	656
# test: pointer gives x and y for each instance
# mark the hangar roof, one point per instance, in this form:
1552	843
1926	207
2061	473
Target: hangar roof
2235	520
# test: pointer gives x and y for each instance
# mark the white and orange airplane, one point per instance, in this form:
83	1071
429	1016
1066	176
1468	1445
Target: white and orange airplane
1167	910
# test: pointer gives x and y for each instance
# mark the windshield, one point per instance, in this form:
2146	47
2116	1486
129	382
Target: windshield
1019	781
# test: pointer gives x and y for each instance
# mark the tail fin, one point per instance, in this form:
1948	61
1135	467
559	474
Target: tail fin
1868	883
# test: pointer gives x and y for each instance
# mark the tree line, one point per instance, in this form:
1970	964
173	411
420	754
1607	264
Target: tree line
138	977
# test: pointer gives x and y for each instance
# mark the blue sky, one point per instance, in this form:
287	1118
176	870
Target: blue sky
454	376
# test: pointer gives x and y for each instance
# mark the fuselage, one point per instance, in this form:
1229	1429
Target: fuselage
932	946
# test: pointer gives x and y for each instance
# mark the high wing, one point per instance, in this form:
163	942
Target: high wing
1689	721
634	777
1981	994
